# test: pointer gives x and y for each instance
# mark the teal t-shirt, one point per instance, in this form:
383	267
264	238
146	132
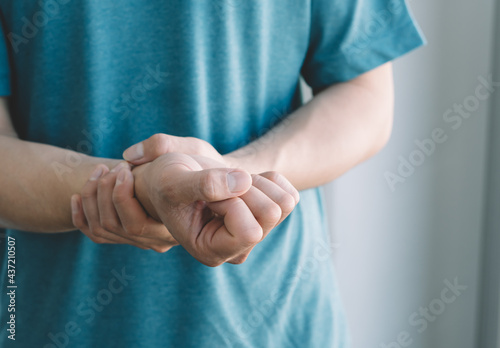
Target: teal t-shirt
97	76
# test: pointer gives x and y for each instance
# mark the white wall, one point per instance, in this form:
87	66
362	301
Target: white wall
398	248
489	325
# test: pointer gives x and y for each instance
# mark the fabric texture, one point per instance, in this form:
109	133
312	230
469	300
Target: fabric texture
97	76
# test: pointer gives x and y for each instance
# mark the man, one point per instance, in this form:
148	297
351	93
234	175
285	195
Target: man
218	83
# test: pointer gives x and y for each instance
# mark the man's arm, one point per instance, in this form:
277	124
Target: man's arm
37	181
340	127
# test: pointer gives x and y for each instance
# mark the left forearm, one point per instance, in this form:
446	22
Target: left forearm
342	126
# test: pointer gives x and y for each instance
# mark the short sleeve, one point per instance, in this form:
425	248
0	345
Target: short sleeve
349	38
4	64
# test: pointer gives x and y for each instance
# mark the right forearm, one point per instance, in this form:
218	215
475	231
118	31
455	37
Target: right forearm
36	184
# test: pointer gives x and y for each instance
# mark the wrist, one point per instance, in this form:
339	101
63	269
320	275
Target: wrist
79	177
249	159
92	162
143	190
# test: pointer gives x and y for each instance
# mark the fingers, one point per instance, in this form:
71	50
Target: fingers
238	260
283	183
242	222
269	203
87	216
78	217
89	197
128	209
271	199
212	185
265	210
280	191
80	222
134	220
150	149
182	180
160	144
239	232
108	217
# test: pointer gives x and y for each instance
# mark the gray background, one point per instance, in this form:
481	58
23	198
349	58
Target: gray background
397	248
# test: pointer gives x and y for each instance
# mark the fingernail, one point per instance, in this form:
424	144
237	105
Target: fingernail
96	174
134	153
119	167
121	177
237	181
74	204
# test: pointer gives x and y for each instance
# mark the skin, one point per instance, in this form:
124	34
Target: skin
223	229
339	128
316	144
212	228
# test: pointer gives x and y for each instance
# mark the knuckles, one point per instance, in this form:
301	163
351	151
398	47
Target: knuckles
110	225
105	181
118	198
251	236
217	261
273	176
137	232
161	249
159	144
198	146
100	241
98	233
208	185
239	260
209	259
287	203
273	213
212	263
88	191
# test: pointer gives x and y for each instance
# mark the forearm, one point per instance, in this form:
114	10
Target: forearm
36	184
341	127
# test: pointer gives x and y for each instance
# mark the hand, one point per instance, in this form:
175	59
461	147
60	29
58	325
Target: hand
126	221
160	144
152	148
107	212
217	214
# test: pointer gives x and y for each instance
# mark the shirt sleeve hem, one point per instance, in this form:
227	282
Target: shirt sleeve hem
378	52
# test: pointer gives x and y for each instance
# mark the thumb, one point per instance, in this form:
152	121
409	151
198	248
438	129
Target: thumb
151	148
213	185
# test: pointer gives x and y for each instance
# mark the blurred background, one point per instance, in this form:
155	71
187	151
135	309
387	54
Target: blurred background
419	224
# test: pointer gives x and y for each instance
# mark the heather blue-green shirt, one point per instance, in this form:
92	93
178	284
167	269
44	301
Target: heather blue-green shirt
97	76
